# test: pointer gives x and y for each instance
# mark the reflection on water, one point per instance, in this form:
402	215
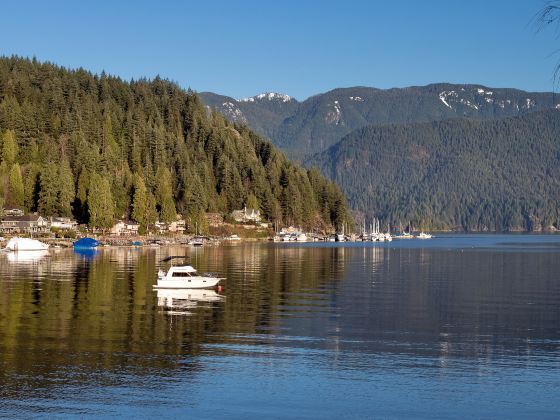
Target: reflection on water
463	326
26	256
178	300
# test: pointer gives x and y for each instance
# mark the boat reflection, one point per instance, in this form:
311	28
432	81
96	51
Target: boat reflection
86	253
26	257
180	300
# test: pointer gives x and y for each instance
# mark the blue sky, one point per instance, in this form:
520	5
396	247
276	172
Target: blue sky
241	48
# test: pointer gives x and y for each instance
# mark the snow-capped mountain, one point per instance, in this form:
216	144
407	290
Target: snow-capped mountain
304	128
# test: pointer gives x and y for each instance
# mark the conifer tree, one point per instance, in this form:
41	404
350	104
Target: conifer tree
100	202
49	188
80	205
9	147
252	202
66	193
164	191
139	203
151	215
15	186
31	187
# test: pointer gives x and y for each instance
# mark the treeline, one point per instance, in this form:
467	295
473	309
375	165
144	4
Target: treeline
98	148
496	175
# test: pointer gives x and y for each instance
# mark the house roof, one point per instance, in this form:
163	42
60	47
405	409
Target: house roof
24	218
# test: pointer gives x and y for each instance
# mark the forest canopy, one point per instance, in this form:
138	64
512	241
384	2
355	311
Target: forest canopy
98	148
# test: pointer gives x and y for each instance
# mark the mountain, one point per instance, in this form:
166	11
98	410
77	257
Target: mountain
311	126
462	174
263	113
97	147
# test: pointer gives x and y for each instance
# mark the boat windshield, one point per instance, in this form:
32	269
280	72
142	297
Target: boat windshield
180	274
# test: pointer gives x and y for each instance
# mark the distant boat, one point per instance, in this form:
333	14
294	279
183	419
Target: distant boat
233	237
340	237
86	243
423	235
196	241
25	244
302	237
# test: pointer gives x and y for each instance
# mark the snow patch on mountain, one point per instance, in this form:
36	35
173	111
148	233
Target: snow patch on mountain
232	111
443	96
269	96
334	117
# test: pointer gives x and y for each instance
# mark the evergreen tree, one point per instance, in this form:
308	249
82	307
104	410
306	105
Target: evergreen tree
139	203
151	215
252	202
48	190
66	194
31	187
15	186
164	197
9	147
80	204
100	202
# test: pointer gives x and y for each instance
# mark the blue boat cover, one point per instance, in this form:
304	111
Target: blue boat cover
86	243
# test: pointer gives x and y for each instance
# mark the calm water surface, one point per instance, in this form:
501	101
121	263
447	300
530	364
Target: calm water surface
453	327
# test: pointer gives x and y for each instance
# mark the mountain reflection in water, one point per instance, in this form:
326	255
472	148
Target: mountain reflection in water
453	327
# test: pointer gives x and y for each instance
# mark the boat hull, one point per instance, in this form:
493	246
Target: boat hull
188	283
25	244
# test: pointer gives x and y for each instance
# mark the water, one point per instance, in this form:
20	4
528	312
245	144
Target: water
453	327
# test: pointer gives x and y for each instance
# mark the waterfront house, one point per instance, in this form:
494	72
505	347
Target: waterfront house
246	215
178	226
29	223
125	228
63	223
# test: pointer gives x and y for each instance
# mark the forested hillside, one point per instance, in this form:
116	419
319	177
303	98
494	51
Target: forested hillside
97	147
464	174
311	126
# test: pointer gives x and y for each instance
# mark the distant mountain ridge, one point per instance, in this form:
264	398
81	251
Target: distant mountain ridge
462	173
311	126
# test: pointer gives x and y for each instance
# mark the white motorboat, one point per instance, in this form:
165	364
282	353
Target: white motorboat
423	235
196	241
233	237
25	244
302	237
185	277
340	237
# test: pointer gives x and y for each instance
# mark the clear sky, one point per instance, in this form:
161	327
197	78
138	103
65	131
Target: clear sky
241	48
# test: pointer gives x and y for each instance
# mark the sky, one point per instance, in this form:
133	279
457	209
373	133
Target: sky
244	47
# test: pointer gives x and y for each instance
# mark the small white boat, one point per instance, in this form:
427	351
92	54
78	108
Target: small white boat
423	235
25	244
233	237
196	241
302	237
340	237
185	277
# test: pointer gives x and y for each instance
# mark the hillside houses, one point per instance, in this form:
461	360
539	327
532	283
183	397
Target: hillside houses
246	215
29	223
